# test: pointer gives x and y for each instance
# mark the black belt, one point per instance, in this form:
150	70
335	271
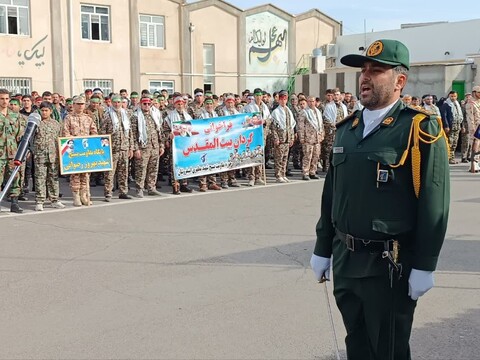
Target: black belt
358	244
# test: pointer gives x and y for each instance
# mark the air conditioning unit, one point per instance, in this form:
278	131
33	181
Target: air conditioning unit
330	51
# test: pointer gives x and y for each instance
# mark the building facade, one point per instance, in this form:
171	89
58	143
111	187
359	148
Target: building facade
68	46
443	57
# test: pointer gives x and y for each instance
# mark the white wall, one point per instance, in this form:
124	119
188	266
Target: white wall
427	44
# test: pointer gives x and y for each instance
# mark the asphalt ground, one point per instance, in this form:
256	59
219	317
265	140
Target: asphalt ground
216	275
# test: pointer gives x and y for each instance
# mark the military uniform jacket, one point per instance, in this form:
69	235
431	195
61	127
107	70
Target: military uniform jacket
355	203
11	131
79	125
305	131
45	144
280	133
153	135
120	139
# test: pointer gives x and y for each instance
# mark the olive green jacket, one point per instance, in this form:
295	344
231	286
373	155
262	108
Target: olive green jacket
355	203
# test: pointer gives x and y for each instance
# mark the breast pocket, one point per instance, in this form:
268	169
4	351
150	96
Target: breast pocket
338	159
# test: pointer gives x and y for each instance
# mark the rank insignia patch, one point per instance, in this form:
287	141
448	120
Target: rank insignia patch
355	123
375	49
387	121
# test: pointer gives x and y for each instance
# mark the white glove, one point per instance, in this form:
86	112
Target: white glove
419	283
320	266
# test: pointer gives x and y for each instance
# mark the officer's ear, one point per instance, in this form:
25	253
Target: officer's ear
400	81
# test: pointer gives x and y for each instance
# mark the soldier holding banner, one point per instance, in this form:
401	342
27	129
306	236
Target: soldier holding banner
79	124
208	112
258	107
178	115
228	177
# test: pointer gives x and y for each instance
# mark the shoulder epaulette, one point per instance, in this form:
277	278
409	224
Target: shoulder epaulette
418	110
348	118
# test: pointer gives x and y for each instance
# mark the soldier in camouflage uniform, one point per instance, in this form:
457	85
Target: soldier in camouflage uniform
46	162
208	112
452	117
228	177
310	134
164	162
10	134
296	149
257	106
472	110
334	112
79	124
14	106
95	111
117	124
148	147
282	131
196	106
179	114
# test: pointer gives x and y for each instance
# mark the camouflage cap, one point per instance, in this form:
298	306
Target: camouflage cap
384	51
79	99
476	88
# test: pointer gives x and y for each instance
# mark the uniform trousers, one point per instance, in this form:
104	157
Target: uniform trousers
311	155
254	172
453	138
228	176
327	144
146	169
281	159
365	305
211	179
46	179
120	169
6	168
79	182
467	140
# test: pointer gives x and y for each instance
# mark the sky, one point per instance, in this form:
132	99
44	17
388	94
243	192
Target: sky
359	16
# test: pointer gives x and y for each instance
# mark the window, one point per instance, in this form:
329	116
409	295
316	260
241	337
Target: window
105	85
95	22
159	85
152	31
208	63
17	85
14	17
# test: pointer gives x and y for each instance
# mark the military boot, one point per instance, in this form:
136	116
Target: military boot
14	207
76	198
84	197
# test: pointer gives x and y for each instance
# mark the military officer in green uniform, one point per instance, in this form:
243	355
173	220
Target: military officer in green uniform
384	208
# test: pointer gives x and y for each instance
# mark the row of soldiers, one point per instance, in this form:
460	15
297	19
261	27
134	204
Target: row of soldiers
141	131
460	119
140	126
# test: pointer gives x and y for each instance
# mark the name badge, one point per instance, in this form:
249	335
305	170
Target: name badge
338	150
382	176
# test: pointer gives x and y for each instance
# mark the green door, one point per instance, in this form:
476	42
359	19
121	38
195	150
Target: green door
459	87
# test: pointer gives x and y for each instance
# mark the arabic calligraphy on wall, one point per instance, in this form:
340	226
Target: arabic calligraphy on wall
36	53
267	43
258	39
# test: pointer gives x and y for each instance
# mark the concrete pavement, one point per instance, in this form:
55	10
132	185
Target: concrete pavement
216	275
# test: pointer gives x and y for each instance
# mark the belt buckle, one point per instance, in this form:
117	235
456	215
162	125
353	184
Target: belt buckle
350	242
